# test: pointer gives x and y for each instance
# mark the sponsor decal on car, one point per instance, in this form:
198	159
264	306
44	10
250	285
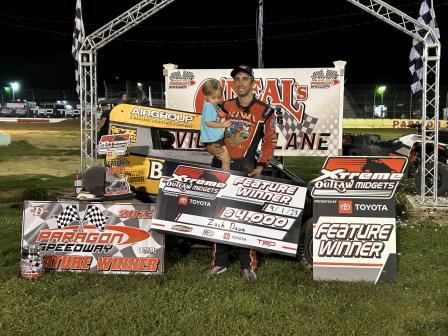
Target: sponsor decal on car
116	144
164	115
125	130
116	166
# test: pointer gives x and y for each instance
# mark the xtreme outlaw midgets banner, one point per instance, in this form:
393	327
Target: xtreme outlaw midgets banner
203	203
95	237
354	234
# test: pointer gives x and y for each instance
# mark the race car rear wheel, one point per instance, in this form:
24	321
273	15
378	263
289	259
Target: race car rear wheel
306	245
442	179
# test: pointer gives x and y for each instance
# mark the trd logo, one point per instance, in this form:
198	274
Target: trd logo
345	207
226	235
266	243
208	233
182	200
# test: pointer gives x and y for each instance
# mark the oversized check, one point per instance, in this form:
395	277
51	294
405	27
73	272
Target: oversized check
210	204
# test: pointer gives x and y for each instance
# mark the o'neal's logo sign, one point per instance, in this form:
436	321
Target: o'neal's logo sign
284	92
359	177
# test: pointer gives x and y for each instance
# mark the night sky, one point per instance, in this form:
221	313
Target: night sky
37	35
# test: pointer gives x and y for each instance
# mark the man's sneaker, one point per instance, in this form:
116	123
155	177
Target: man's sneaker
214	270
249	275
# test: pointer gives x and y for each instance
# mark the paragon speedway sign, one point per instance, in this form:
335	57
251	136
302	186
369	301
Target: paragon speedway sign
221	207
96	237
354	235
308	103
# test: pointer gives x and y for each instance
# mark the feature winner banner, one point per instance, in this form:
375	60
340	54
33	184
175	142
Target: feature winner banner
308	103
354	234
106	238
218	206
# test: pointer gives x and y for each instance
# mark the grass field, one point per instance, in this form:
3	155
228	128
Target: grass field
284	301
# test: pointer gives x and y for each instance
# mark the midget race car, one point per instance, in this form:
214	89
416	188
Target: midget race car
156	135
409	145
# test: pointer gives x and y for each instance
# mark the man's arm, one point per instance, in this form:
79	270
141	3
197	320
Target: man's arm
218	124
268	145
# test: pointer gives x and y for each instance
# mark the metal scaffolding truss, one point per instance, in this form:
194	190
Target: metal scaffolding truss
87	64
378	8
430	92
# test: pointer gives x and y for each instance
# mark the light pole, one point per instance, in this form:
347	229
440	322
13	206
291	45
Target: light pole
15	86
395	100
8	90
380	90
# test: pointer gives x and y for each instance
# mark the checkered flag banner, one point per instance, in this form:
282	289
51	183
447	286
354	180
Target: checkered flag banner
78	39
95	216
290	124
36	265
67	216
428	18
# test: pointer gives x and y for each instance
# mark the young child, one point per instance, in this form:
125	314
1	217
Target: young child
212	129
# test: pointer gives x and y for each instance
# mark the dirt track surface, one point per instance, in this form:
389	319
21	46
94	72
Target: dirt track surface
427	215
47	137
39	165
67	125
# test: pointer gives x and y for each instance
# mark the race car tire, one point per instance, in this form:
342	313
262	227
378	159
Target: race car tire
305	254
442	178
355	152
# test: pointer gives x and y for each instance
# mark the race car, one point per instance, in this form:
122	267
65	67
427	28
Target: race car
409	145
158	134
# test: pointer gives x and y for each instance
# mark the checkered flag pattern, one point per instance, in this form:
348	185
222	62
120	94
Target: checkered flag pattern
36	265
67	216
291	125
428	18
78	38
95	216
260	33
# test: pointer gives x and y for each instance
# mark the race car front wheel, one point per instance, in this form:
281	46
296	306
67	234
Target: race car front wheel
306	245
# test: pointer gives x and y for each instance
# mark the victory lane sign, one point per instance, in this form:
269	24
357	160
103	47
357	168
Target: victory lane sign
228	208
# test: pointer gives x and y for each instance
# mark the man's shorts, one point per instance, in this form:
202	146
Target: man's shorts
217	142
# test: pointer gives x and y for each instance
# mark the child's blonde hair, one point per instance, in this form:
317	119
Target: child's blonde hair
210	86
